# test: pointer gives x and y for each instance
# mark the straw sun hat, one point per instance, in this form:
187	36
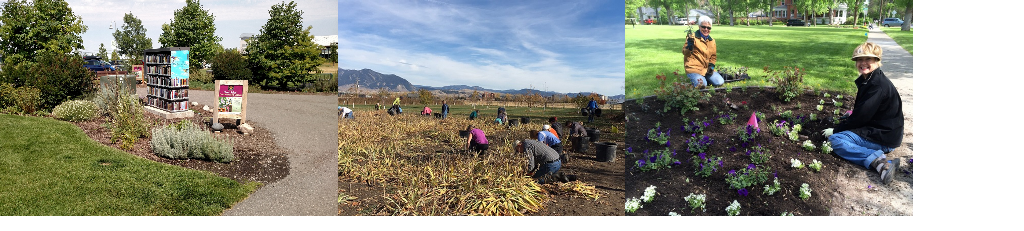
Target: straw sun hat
867	50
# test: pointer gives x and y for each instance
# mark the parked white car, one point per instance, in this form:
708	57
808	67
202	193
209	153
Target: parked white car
681	21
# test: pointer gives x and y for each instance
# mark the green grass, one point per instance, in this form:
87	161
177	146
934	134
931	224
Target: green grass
904	38
823	51
538	116
50	167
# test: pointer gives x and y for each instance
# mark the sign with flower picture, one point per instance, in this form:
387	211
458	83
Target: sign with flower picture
231	98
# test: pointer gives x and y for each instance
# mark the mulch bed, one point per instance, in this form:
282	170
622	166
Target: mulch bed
257	156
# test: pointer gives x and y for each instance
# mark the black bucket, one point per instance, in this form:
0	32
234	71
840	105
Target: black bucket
525	120
583	111
513	122
594	134
580	144
597	112
463	133
606	152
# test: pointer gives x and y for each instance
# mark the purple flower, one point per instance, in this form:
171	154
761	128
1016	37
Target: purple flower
693	135
701	166
748	152
732	172
669	133
645	152
702	156
706	124
869	186
668	143
673	153
743	192
911	161
629	149
775	174
654	159
751	166
733	149
744	144
720	163
676	163
642	162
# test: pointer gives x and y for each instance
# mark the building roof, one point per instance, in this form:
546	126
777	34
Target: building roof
325	40
246	35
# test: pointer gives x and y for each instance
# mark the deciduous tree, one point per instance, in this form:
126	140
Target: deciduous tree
192	27
27	27
131	39
283	55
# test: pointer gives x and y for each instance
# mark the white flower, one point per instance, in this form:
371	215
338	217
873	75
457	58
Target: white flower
816	165
819	107
674	214
734	208
807	144
826	147
632	205
796	163
805	191
648	194
696	201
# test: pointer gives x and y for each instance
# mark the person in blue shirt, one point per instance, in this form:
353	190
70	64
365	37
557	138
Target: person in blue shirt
444	109
591	108
550	140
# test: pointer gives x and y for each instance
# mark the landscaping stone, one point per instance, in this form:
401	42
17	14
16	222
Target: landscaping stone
217	127
245	128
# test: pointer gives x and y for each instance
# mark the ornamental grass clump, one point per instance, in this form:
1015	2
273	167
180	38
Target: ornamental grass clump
75	110
733	209
696	201
185	140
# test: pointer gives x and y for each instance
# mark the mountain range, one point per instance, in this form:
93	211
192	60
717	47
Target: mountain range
370	81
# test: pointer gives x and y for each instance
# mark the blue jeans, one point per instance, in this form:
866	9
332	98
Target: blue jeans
715	79
858	150
548	168
444	115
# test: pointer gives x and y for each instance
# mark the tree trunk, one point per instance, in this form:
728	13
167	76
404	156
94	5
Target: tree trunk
671	21
748	15
856	15
909	16
732	19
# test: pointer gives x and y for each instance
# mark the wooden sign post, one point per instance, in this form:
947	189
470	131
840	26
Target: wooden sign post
232	96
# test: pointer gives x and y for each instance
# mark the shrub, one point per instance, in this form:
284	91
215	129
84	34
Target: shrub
185	140
59	77
19	100
231	65
787	82
129	121
679	94
199	76
105	99
75	110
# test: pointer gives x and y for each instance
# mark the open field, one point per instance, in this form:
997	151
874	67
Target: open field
418	165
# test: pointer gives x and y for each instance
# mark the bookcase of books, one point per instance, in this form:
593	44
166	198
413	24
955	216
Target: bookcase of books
166	73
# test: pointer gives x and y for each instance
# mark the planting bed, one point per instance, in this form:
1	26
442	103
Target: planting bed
833	189
257	156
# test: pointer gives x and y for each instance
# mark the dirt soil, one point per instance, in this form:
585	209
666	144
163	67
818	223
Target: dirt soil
841	188
606	177
257	156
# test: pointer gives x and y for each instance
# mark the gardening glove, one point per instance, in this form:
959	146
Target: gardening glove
711	67
689	43
827	132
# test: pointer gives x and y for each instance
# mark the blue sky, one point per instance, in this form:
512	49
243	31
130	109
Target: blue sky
563	46
232	18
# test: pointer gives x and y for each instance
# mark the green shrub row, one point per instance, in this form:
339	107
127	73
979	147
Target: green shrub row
19	100
185	140
76	110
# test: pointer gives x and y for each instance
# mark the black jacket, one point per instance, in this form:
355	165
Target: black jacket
878	111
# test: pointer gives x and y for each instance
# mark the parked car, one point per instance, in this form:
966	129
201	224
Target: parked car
892	22
650	21
95	63
795	22
681	21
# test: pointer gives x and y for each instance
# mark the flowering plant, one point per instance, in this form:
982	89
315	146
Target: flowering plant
805	191
816	165
788	114
836	112
674	214
658	136
759	155
821	101
658	159
695	145
727	118
839	96
747	133
770	189
633	204
706	165
814	117
827	95
760	116
808	145
789	214
779	128
747	177
734	208
696	201
826	147
837	103
819	107
694	127
796	164
648	194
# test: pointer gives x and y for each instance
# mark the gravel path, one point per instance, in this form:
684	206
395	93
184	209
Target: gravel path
305	125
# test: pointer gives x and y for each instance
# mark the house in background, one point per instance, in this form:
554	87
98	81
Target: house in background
786	10
325	42
694	14
245	42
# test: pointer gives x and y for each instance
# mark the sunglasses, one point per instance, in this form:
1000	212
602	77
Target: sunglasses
705	27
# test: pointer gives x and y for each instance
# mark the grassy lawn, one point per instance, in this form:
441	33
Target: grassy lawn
537	115
50	167
904	38
823	51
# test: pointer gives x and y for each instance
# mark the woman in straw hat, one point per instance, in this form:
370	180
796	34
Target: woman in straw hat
875	127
